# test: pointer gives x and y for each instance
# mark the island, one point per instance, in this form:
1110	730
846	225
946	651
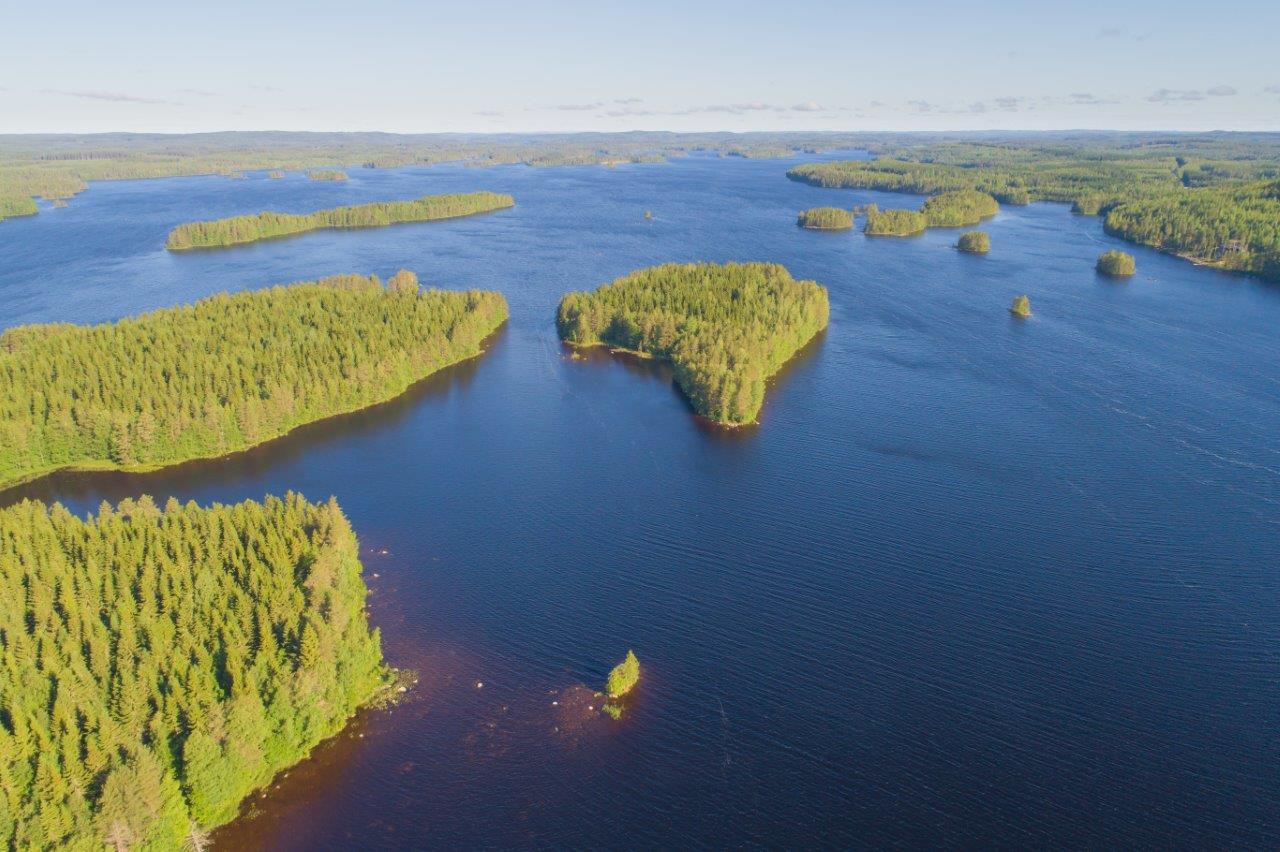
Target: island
238	230
1117	264
1021	307
622	679
974	242
1214	203
161	664
225	373
275	174
893	223
958	209
726	328
825	219
327	174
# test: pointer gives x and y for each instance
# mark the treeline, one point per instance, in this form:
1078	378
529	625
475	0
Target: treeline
237	230
825	219
1167	193
225	373
918	178
55	166
1232	227
725	328
159	665
893	223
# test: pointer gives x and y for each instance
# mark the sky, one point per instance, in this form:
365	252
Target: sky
496	66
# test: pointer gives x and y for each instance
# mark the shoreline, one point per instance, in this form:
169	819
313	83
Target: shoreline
100	466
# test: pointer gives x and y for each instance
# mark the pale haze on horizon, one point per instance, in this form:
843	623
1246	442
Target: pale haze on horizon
518	67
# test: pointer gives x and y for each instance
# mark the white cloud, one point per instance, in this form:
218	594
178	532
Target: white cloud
118	97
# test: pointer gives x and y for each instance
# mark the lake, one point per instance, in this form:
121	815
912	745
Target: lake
972	581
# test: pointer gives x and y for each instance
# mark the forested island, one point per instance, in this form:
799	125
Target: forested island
958	209
1021	307
225	373
1209	198
726	328
238	230
893	223
160	664
974	242
825	219
1117	264
327	174
944	210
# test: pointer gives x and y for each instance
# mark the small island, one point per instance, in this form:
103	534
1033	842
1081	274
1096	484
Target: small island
275	174
974	242
327	174
622	679
825	219
239	230
225	373
959	209
1117	264
726	328
1021	307
893	223
181	655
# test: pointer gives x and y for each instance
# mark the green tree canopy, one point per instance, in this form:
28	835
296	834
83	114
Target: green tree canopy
155	666
225	373
238	230
726	328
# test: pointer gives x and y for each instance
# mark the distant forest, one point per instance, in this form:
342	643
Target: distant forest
54	166
1214	198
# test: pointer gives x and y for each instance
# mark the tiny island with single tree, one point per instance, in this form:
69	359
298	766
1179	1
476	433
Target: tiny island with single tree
974	242
1117	264
726	328
1021	307
622	679
225	373
825	219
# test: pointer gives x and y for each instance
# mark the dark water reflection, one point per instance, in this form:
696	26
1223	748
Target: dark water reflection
972	581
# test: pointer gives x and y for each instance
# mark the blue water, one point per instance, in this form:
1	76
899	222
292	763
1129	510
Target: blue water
973	581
